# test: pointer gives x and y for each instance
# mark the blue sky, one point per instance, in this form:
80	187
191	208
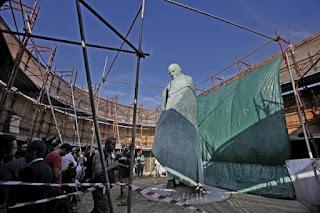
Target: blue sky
201	46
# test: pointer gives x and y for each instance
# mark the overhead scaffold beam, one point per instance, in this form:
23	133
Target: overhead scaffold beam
105	22
66	41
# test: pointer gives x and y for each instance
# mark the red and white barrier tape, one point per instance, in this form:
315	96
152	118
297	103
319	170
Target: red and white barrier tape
45	200
20	183
145	192
167	199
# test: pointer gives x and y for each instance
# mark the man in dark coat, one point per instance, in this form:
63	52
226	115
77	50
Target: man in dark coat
37	171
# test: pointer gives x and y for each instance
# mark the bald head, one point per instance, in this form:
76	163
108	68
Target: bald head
174	70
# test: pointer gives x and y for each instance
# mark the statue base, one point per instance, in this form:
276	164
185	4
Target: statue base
184	194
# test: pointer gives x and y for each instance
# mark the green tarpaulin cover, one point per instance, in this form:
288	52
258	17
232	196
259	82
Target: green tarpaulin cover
243	135
243	121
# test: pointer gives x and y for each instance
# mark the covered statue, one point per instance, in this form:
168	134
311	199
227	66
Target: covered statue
177	146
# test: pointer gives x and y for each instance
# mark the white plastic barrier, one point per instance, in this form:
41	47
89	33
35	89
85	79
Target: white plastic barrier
305	182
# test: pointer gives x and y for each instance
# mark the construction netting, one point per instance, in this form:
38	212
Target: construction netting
244	136
243	121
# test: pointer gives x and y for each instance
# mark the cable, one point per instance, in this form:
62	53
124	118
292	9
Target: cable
221	19
141	84
118	52
227	67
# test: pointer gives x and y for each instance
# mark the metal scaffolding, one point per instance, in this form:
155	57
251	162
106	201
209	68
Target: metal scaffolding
29	19
45	78
30	14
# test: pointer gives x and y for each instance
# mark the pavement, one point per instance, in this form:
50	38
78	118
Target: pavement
237	202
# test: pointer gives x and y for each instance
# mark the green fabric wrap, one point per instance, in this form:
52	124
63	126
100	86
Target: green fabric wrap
243	121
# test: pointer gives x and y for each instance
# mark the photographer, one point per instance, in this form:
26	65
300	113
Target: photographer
100	201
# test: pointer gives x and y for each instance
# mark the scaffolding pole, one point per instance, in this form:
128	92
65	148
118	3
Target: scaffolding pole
136	89
53	113
141	125
40	98
47	38
92	104
106	23
75	114
98	93
302	115
301	118
302	105
116	128
18	58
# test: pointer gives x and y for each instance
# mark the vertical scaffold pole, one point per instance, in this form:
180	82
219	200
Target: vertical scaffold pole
301	118
302	115
53	113
92	104
75	114
295	93
136	89
40	98
18	59
98	93
302	105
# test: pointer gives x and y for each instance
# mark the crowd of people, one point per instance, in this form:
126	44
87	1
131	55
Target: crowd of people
50	161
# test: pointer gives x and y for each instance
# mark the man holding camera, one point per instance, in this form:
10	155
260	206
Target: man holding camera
101	204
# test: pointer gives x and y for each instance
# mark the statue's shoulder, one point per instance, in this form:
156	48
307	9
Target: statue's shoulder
186	78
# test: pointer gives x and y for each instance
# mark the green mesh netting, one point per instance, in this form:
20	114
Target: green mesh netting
243	121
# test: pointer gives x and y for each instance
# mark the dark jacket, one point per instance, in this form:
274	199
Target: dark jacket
36	172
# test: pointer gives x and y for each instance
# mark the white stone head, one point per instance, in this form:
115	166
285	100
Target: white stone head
174	70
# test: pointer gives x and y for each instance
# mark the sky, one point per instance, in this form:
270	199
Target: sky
202	46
